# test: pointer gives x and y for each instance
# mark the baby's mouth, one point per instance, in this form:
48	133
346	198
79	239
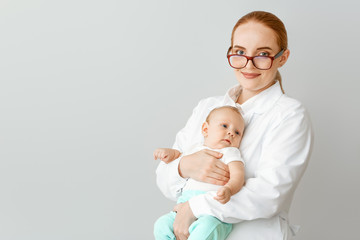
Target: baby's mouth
227	140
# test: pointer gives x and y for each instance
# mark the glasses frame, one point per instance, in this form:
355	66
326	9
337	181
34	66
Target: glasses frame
251	58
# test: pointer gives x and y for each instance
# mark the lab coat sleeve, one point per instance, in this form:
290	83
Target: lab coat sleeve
285	153
168	179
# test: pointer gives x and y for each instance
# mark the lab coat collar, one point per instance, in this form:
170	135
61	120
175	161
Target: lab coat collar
258	103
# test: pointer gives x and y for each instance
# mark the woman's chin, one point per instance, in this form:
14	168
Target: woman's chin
249	85
254	86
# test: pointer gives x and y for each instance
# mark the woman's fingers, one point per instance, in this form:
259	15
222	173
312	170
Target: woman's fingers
213	153
222	166
204	166
183	219
222	169
218	174
212	180
213	171
215	157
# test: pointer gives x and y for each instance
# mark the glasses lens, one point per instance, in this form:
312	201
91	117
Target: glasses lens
263	63
238	61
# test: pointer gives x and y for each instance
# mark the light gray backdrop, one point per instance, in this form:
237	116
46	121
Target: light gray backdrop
88	89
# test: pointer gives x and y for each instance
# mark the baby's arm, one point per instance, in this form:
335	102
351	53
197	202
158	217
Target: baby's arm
166	154
235	183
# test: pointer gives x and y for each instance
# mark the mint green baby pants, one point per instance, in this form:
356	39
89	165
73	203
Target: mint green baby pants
204	228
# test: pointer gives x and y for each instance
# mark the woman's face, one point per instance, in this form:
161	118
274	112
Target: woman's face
255	39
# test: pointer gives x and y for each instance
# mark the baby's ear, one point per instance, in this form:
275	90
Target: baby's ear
204	129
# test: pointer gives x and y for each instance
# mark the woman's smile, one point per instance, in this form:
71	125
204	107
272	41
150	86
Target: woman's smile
250	75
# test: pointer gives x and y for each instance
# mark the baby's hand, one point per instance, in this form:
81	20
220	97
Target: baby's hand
165	154
223	195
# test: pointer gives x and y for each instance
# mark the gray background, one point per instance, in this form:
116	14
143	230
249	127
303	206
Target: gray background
88	89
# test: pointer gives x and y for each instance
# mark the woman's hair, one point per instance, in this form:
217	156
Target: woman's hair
271	21
234	109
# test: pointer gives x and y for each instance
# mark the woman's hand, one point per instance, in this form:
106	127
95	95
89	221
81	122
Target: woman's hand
204	166
183	219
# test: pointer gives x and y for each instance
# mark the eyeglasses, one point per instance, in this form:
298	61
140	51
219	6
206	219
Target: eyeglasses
260	62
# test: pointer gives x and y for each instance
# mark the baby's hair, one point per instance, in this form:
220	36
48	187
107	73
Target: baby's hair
223	107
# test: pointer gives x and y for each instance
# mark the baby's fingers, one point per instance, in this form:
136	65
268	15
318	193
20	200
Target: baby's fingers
221	192
219	196
220	199
227	198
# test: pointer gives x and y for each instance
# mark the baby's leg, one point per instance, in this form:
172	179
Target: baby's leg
209	227
163	227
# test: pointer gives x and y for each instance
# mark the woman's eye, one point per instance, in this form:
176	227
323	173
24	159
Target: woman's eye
239	52
264	54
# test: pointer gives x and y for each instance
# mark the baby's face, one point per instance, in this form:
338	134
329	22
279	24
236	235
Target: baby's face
224	129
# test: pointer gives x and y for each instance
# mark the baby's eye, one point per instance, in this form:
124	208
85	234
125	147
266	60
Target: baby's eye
240	52
237	132
264	54
224	125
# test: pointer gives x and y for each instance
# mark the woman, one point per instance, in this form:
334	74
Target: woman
276	145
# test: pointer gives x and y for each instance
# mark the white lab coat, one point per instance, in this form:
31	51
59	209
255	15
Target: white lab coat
276	148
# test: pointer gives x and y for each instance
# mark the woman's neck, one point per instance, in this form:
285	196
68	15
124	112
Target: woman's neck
246	94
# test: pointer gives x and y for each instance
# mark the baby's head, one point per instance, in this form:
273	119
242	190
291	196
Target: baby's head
224	127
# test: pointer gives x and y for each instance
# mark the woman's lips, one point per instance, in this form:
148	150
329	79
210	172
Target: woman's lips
250	75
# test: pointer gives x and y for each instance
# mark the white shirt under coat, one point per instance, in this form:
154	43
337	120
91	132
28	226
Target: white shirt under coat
276	147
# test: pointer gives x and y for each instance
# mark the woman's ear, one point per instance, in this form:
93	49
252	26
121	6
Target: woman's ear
204	129
284	57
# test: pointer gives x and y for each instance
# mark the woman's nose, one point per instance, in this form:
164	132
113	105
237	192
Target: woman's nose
250	64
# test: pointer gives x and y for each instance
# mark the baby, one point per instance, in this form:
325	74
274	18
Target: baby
222	131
